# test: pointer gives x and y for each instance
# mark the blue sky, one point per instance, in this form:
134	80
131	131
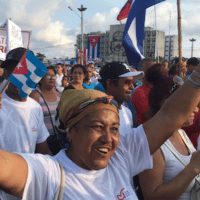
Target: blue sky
52	23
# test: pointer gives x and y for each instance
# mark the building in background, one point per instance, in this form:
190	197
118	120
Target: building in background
171	47
111	48
154	43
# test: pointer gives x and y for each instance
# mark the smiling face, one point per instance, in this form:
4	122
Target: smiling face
94	139
78	76
122	91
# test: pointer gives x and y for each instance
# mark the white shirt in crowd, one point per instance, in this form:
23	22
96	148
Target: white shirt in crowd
94	80
198	143
173	166
125	120
59	83
113	182
21	127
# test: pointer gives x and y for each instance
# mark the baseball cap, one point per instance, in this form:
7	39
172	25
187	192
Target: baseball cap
115	70
14	55
193	61
72	62
59	62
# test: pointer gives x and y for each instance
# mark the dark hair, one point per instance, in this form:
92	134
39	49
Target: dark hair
159	93
64	76
155	74
142	62
172	70
177	60
103	82
78	66
52	68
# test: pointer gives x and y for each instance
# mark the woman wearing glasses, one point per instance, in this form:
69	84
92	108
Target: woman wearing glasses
47	96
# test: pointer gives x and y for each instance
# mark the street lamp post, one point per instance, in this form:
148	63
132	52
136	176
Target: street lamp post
192	40
81	10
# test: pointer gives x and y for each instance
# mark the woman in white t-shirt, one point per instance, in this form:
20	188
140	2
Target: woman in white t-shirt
97	165
169	178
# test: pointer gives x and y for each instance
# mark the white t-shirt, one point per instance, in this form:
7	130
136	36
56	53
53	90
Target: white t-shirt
198	143
21	125
59	83
113	182
94	80
125	120
173	166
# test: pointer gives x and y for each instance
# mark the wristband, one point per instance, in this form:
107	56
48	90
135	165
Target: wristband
192	82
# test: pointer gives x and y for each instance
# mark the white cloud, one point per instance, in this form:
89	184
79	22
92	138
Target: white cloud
53	32
47	30
101	21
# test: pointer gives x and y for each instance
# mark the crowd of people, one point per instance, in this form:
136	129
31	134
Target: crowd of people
114	134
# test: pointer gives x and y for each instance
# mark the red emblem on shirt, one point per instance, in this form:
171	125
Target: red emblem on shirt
33	129
122	195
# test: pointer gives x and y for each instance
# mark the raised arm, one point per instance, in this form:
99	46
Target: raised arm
173	113
151	181
13	173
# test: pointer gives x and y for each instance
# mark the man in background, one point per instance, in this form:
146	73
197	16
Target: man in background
86	83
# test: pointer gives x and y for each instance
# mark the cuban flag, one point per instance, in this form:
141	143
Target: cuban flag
134	31
27	73
124	11
93	47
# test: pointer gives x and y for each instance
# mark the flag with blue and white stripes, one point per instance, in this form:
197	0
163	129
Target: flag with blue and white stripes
93	47
26	82
134	31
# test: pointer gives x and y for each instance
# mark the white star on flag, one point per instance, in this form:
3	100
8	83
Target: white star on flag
94	40
19	65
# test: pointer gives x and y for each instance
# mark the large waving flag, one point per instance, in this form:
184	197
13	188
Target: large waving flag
27	73
123	14
134	31
93	47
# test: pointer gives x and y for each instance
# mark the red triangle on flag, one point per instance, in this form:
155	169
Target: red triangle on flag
21	68
94	40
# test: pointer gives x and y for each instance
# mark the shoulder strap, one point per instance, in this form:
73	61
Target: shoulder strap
60	191
185	139
175	153
48	111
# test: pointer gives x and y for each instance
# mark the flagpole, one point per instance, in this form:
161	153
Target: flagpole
179	31
156	47
5	86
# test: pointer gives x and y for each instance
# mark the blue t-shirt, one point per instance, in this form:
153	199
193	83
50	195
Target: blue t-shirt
86	86
100	87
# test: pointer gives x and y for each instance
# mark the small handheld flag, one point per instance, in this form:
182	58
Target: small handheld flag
27	73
